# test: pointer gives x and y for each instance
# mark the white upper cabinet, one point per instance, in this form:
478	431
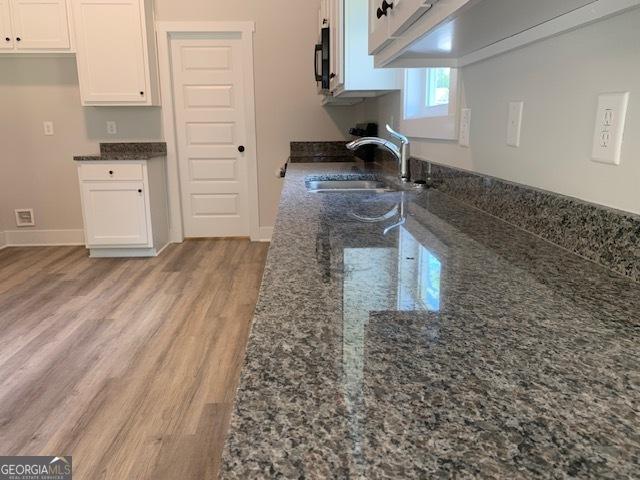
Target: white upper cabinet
40	24
6	34
402	14
35	26
352	71
378	27
455	33
336	58
116	52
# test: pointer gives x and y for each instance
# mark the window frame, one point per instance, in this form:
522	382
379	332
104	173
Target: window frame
438	122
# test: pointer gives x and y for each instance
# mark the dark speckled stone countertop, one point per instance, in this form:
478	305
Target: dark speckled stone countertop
123	151
454	346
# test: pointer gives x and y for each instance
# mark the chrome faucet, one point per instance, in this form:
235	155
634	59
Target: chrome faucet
401	153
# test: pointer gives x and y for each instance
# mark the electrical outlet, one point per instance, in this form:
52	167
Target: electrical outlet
465	127
609	130
112	127
514	123
24	217
48	127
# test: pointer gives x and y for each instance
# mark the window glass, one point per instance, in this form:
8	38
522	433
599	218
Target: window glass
439	81
427	92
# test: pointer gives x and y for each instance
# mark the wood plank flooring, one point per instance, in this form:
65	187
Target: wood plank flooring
129	365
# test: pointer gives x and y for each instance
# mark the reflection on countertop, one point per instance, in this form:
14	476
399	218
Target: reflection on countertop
454	345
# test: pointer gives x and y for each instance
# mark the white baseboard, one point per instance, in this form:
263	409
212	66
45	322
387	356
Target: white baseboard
265	234
43	238
3	243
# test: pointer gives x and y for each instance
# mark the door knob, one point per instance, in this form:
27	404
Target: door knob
241	148
7	39
386	6
139	190
110	172
18	39
380	13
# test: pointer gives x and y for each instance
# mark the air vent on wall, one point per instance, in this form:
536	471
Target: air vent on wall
24	217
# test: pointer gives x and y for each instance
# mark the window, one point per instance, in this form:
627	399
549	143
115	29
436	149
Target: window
429	102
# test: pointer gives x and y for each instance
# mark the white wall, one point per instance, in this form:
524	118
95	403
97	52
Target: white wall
38	172
559	80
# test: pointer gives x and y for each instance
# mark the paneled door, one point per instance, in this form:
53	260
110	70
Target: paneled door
40	24
211	131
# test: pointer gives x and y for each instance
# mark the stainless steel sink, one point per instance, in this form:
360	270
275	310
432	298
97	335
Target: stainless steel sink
317	186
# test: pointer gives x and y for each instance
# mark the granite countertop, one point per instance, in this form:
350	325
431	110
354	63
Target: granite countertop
126	151
454	346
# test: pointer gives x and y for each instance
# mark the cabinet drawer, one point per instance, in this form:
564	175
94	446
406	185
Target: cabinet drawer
111	171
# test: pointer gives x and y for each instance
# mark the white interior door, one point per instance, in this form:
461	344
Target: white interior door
6	35
211	132
40	24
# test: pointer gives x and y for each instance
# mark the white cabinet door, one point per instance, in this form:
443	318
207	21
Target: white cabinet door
336	24
6	35
115	213
112	64
378	28
404	13
323	15
40	24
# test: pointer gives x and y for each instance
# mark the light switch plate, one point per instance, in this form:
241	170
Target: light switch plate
514	123
465	127
48	127
609	130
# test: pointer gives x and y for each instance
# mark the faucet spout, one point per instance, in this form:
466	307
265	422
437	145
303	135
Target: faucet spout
400	153
381	142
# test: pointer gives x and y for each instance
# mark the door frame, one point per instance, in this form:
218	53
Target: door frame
165	31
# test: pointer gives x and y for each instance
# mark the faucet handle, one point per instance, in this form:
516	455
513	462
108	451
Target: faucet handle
397	135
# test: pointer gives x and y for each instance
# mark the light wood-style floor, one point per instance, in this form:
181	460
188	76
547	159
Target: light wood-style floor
128	365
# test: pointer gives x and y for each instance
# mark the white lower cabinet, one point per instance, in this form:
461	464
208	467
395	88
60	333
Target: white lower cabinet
124	216
115	213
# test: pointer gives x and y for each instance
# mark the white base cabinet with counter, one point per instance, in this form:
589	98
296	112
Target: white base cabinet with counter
124	206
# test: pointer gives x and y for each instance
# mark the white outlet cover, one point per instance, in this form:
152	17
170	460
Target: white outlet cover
609	129
48	127
465	127
112	127
514	123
